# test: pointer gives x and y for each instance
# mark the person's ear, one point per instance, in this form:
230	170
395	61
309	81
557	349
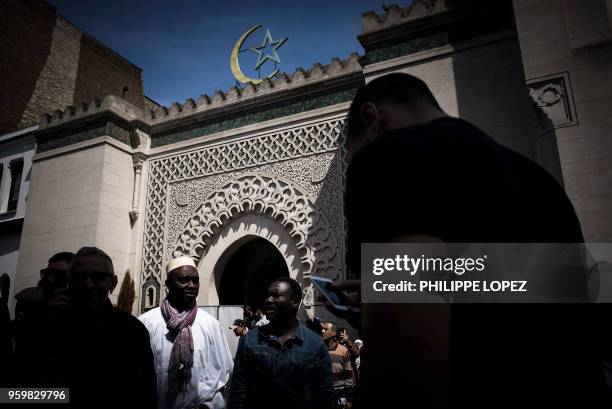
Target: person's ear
114	283
370	115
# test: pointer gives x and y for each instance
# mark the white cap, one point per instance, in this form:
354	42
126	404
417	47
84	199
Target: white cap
179	262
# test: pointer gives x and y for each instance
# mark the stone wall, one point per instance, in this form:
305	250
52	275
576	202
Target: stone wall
102	71
26	29
55	84
49	64
567	57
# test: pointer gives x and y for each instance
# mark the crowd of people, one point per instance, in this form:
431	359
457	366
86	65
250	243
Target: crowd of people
66	333
468	187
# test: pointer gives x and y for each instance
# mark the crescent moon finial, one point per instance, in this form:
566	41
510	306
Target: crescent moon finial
235	65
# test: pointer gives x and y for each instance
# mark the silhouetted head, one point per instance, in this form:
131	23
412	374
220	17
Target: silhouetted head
389	102
5	286
91	278
183	282
248	311
55	276
329	330
282	299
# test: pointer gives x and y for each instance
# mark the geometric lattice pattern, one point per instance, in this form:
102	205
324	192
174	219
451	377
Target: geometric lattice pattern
275	198
284	145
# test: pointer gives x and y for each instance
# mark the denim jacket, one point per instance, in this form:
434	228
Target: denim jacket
294	375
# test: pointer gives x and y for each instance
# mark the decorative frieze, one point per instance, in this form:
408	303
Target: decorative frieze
395	15
553	94
320	239
281	82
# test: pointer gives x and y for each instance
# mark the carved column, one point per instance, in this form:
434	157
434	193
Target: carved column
139	159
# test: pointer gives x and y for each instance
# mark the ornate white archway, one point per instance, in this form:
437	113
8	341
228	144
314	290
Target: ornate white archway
233	236
258	205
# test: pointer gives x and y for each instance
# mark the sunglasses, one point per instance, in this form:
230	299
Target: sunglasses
56	273
95	276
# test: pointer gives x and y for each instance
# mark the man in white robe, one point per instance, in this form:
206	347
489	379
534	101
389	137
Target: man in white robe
192	358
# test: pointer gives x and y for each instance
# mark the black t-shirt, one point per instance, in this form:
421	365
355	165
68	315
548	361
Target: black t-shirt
105	358
450	180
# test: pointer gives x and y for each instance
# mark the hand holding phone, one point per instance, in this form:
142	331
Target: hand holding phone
335	297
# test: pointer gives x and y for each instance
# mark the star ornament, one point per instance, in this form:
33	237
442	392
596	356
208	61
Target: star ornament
273	56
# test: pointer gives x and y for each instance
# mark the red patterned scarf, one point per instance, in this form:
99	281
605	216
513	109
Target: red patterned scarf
181	357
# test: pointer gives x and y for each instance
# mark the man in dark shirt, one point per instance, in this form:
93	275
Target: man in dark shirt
418	175
282	364
30	322
102	354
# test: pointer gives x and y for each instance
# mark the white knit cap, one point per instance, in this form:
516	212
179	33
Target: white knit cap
179	262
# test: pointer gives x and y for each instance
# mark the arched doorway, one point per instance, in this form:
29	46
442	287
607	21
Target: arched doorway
249	271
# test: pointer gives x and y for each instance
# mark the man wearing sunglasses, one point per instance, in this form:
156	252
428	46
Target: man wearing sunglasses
53	277
29	326
102	354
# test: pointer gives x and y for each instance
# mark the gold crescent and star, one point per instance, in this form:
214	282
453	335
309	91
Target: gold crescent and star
235	65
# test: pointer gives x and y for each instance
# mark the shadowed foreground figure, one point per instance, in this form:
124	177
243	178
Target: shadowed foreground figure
443	180
6	343
282	364
30	324
102	354
192	359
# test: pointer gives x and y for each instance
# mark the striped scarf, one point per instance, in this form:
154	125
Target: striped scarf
181	357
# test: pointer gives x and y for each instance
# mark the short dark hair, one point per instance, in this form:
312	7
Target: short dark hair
91	252
296	290
63	256
396	88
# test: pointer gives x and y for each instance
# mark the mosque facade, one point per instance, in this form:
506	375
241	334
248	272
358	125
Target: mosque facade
250	181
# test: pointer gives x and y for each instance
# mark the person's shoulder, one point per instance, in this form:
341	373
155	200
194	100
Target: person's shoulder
448	133
128	321
252	336
31	295
311	337
150	315
418	145
342	349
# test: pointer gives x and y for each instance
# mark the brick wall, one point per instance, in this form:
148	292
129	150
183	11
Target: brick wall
101	72
47	64
26	28
55	84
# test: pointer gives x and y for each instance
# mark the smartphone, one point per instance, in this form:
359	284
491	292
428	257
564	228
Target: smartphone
336	298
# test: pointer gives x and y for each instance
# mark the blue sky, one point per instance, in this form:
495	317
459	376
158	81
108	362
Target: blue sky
183	46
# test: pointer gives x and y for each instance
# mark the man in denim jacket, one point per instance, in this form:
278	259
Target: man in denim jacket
282	364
